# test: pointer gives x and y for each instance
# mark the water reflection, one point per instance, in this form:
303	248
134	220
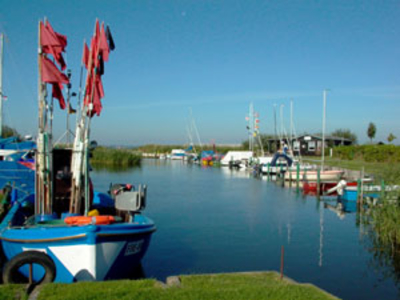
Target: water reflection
114	168
238	173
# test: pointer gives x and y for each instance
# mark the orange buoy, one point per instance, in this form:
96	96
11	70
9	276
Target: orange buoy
95	220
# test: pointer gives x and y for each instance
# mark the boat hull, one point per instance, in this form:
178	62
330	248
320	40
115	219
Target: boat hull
334	175
82	253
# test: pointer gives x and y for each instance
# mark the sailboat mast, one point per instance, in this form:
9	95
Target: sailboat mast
275	131
291	123
323	130
1	84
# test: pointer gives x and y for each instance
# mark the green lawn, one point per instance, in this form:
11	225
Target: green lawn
265	285
13	291
369	167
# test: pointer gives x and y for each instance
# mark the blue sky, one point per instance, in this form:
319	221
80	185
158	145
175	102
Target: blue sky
215	57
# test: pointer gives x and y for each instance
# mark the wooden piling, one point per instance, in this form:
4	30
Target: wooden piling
361	188
282	260
358	191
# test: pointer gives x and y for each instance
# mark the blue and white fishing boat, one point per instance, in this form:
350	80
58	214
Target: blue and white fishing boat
60	230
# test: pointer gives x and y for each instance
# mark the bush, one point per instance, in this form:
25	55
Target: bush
369	153
116	157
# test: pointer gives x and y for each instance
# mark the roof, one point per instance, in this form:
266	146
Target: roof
316	137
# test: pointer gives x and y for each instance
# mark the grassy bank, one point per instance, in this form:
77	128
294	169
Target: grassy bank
260	285
13	291
115	157
375	168
369	153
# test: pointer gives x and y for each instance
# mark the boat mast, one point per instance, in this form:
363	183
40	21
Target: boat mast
251	128
195	130
276	134
323	130
291	124
1	84
43	161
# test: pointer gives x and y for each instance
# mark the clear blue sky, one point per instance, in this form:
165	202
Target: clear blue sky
216	57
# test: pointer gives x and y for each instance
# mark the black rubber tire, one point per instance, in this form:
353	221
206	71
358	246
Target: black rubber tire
12	275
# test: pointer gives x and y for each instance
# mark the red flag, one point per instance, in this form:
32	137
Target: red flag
57	87
99	49
50	73
95	42
85	57
53	43
94	96
62	39
103	44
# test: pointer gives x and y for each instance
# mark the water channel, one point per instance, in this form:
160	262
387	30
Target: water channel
213	220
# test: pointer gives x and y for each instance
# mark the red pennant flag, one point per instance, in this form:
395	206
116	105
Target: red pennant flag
62	39
57	87
53	43
85	57
95	43
50	73
95	96
103	44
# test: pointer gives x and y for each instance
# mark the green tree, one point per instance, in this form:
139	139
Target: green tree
371	132
345	133
391	137
9	132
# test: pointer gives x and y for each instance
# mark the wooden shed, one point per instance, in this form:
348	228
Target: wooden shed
311	145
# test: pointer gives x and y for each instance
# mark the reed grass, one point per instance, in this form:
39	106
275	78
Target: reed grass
115	157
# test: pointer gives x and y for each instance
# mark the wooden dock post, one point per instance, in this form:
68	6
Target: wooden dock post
382	189
361	192
359	199
318	182
268	171
282	260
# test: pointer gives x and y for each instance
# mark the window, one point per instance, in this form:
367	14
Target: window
311	146
296	146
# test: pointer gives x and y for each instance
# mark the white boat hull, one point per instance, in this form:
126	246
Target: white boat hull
333	175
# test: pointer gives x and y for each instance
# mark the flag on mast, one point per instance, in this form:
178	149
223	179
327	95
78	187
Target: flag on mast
53	43
100	46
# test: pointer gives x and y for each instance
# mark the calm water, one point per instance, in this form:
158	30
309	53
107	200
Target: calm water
217	220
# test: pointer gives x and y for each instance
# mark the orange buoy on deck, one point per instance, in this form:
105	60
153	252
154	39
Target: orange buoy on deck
96	220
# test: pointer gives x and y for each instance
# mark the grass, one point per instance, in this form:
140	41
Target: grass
13	291
115	157
357	165
235	286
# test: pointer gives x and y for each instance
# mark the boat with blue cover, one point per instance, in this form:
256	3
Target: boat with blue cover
59	229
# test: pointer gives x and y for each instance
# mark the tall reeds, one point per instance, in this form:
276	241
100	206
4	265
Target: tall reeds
115	157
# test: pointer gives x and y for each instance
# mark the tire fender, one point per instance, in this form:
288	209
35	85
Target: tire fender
10	271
